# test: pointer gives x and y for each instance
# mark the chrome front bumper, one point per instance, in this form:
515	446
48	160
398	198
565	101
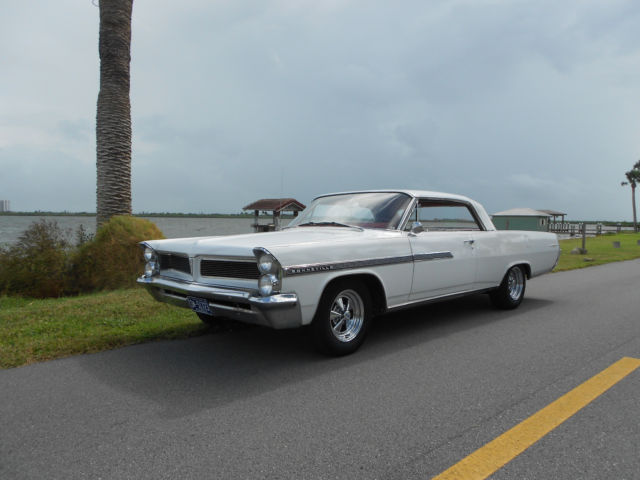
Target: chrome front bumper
276	311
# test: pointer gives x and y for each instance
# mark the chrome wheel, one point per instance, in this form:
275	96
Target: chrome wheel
346	315
342	318
515	283
510	292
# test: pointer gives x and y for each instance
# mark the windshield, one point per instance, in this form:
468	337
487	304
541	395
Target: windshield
366	210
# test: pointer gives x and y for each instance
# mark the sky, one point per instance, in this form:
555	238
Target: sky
513	103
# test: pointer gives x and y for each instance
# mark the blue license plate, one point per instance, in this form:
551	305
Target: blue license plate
199	305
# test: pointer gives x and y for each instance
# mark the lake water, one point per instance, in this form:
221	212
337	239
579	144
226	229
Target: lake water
173	227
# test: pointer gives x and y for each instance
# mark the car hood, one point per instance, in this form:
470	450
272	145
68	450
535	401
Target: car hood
285	244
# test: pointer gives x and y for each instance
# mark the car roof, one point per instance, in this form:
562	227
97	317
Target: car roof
411	193
479	209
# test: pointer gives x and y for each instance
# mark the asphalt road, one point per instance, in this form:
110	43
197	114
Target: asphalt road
430	386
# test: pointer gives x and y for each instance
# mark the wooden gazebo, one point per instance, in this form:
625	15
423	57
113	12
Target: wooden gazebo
275	206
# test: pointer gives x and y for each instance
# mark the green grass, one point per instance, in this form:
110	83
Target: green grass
599	250
35	330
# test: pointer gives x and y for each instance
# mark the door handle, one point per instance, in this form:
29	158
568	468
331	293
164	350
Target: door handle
470	242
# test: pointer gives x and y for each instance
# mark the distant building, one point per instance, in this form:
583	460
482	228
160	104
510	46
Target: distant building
521	219
4	206
556	215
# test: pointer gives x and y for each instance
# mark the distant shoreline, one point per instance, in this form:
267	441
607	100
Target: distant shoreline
143	214
227	215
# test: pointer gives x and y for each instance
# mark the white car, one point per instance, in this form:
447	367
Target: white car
347	257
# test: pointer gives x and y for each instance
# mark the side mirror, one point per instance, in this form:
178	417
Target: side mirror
416	227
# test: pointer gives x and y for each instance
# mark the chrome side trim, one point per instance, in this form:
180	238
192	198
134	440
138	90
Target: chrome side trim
353	264
346	265
421	257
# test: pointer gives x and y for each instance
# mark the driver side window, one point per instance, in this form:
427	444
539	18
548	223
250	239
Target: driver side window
443	215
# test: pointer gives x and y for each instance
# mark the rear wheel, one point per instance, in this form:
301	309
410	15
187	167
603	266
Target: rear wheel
511	291
342	318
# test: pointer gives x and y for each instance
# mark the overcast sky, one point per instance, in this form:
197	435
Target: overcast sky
513	103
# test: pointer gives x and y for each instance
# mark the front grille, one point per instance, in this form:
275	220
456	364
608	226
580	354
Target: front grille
174	262
229	269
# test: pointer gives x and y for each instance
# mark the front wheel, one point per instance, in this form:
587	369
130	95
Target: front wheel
342	318
511	291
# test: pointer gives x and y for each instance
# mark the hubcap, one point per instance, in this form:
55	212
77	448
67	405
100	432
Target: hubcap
515	283
346	315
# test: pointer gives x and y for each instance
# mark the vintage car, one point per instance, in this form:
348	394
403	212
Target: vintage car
347	257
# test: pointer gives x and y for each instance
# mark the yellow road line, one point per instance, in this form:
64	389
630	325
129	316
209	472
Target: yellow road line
495	454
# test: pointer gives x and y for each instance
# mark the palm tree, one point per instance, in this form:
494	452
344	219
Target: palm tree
633	178
113	119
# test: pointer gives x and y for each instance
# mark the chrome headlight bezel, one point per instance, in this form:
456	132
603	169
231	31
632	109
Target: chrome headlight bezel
270	281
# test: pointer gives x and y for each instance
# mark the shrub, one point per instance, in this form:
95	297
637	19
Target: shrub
36	264
112	258
43	263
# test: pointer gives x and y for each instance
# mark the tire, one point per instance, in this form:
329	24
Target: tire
342	319
511	291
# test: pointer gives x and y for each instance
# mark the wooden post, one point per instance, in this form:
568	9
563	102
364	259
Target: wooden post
256	214
584	237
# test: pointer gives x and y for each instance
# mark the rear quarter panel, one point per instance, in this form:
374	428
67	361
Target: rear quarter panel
498	251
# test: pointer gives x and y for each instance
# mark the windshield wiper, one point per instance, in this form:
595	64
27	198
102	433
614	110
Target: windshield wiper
328	224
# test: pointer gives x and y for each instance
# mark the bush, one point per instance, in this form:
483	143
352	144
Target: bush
36	264
43	263
112	259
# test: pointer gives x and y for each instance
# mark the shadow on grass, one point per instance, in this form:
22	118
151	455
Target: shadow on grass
187	376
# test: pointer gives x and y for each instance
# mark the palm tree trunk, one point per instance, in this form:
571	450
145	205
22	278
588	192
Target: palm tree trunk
113	119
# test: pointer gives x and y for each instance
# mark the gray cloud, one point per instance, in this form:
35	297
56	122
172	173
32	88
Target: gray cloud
513	103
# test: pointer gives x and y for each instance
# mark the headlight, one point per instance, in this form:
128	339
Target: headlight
265	263
267	284
149	254
150	269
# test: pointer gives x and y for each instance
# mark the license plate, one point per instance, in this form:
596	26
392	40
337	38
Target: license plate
199	305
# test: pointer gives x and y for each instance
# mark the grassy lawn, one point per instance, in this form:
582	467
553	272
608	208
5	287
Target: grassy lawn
599	250
36	330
